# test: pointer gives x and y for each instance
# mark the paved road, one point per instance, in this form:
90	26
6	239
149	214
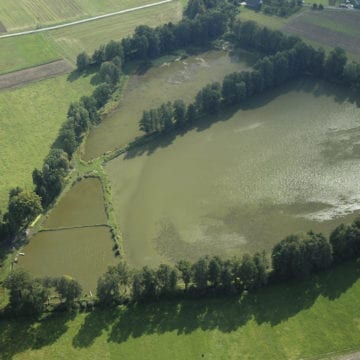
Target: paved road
85	20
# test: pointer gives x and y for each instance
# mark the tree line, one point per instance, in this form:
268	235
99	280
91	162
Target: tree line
295	257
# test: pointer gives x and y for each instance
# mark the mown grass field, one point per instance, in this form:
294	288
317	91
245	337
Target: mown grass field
87	37
30	14
26	51
302	320
328	28
30	120
35	49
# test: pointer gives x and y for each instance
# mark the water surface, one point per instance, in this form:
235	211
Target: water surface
288	162
82	205
180	79
81	253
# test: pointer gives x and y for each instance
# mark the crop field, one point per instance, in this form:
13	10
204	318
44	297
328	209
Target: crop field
30	14
328	27
30	120
301	320
25	51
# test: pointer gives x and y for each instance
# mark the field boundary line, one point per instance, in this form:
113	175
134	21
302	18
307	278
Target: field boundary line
85	20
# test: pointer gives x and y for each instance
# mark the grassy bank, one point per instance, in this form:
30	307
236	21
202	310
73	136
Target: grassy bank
300	320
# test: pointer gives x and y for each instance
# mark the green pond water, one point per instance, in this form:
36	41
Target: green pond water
83	253
288	162
180	79
82	205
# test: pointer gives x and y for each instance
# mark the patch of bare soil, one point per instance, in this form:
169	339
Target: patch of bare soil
2	28
350	42
21	77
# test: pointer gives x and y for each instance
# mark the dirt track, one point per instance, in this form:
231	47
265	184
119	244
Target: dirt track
22	77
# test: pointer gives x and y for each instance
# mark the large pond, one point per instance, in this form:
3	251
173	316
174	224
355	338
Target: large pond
180	79
288	162
83	253
82	205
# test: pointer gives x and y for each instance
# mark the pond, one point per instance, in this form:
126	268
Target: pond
180	79
287	162
82	205
82	253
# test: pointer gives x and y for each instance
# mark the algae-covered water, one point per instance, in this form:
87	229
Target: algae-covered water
288	162
82	253
180	79
82	205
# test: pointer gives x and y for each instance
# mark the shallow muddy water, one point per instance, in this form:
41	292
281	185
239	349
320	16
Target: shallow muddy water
180	79
82	205
83	253
288	162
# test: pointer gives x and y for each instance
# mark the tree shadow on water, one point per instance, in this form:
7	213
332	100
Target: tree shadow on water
271	305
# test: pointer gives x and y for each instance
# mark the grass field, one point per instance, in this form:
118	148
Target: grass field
272	22
87	37
328	28
30	14
25	51
30	119
35	49
296	321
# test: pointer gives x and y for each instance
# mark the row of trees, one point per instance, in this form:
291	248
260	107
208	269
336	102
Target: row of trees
121	284
294	257
30	296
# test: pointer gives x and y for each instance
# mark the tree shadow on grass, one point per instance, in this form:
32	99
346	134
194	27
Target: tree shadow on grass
271	305
22	334
75	74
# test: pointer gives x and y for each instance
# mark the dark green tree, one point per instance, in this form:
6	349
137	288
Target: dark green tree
22	209
185	269
82	61
69	289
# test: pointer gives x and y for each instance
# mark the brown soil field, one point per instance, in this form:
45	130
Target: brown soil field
22	77
329	27
2	28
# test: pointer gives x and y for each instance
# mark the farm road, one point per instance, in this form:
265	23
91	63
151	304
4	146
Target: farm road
85	20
